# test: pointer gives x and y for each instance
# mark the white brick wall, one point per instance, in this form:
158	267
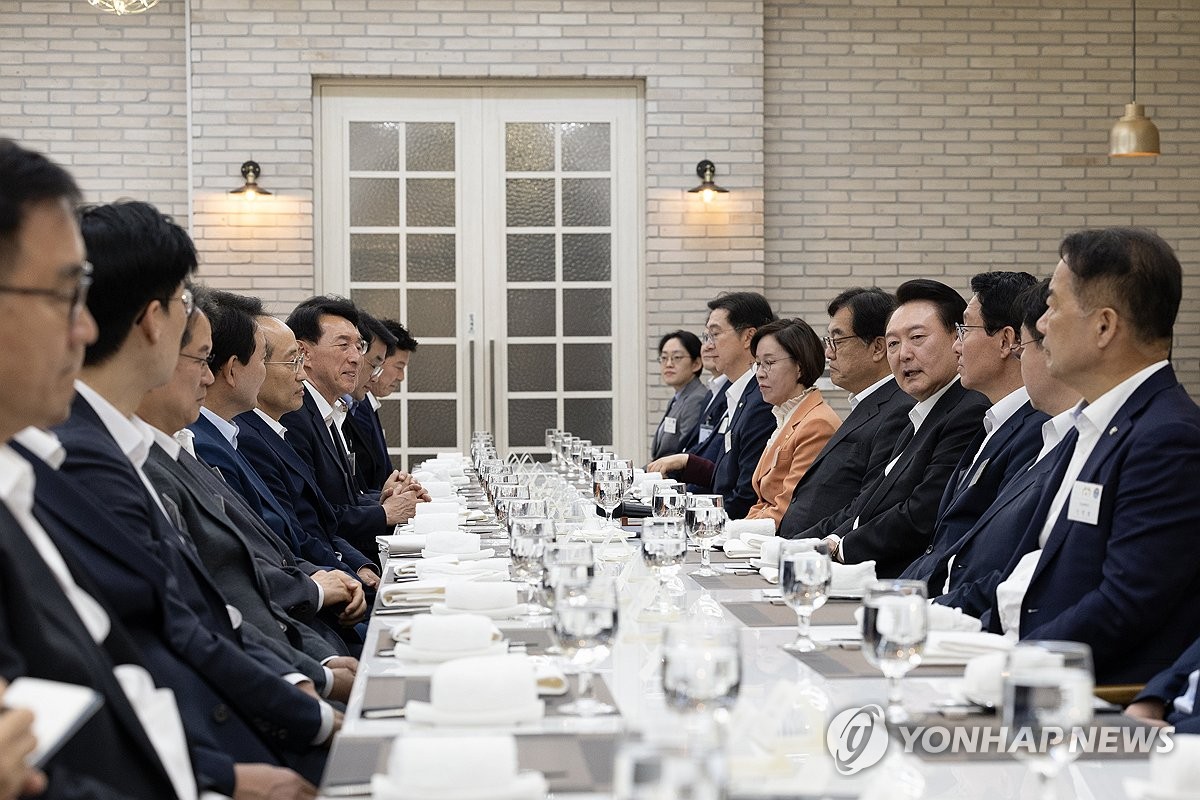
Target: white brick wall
863	142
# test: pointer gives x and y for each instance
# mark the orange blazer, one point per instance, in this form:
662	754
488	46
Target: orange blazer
784	463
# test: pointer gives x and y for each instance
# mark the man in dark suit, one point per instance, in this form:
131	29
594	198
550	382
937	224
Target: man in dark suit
1117	566
327	330
1011	434
1169	698
141	305
713	407
51	624
247	561
970	569
361	429
891	520
724	463
859	449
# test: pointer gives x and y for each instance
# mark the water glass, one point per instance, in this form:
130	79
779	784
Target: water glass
701	670
805	569
1047	701
704	519
667	500
664	547
652	771
527	540
585	623
895	624
607	489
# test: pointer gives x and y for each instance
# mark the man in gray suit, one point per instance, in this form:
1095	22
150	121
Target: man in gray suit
244	558
856	453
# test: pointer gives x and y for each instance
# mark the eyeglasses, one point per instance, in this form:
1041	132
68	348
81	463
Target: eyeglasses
296	363
203	360
961	330
359	345
765	366
376	372
831	343
1018	349
673	359
189	302
75	298
710	336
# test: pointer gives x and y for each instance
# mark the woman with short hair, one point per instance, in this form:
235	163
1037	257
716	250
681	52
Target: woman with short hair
679	362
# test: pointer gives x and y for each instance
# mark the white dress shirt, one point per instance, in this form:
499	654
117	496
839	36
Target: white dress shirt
330	414
272	423
998	414
855	398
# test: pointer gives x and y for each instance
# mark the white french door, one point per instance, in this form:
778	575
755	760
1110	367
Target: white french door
502	226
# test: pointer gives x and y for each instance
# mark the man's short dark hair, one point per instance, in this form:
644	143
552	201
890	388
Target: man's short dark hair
745	309
869	311
305	319
404	339
26	179
138	255
1032	304
998	293
690	342
234	326
370	329
801	343
1131	269
950	304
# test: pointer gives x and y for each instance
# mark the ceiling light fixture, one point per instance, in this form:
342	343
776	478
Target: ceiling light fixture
1134	134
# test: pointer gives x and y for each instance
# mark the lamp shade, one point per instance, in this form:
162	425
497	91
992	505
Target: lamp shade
1133	134
250	188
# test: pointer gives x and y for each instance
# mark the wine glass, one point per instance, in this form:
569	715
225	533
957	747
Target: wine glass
607	489
527	540
565	443
667	500
805	570
895	623
577	448
506	495
1047	701
701	673
525	507
704	519
664	546
585	622
551	437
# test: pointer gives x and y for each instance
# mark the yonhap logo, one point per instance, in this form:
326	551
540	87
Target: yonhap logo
857	738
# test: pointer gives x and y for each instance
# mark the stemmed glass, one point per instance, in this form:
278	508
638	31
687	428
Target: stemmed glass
566	564
585	622
527	540
552	435
664	546
607	489
1048	698
577	448
565	444
895	624
704	519
506	495
667	500
804	573
701	674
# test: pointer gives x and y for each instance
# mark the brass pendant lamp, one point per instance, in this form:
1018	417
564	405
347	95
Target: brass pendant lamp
1134	134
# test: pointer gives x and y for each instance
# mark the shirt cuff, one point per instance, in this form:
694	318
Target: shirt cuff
320	593
326	729
328	687
295	678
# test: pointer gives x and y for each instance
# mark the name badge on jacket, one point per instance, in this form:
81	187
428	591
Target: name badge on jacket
705	431
1084	503
669	425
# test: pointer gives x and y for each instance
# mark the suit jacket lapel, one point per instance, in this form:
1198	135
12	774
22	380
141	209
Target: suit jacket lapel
325	437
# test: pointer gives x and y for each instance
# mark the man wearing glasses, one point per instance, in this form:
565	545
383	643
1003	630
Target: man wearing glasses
326	329
372	465
859	449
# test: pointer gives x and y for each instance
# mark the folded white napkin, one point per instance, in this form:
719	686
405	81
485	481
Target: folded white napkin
764	528
748	543
486	569
438	490
451	542
413	592
551	680
478	555
1174	775
434	507
851	578
430	638
492	690
598	534
944	618
469	596
770	574
769	557
404	542
431	768
435	523
983	679
949	648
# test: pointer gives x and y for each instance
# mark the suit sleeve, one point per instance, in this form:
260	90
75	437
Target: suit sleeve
1170	683
687	418
752	439
903	529
1146	557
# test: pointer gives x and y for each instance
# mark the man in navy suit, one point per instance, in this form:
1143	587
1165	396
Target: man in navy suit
1114	561
361	429
714	404
365	415
969	570
327	330
891	521
1011	434
857	354
141	305
724	463
52	624
1169	698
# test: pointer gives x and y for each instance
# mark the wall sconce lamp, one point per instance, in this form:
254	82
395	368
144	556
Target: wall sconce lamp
1134	134
706	170
121	7
250	188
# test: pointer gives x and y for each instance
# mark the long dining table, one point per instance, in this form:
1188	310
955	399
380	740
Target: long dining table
577	754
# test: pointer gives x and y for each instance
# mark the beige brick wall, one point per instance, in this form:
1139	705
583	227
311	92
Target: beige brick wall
863	142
